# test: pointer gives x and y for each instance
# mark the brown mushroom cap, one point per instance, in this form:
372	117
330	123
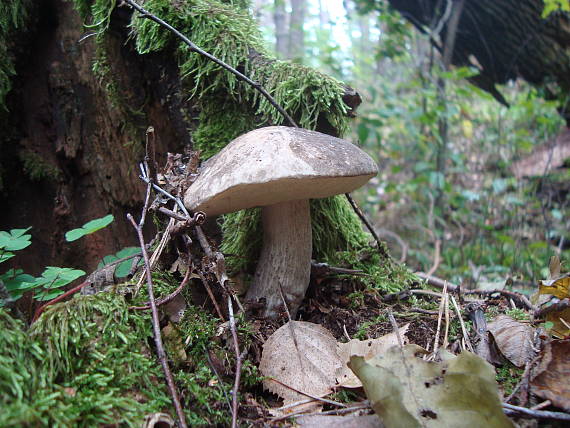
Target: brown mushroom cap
277	164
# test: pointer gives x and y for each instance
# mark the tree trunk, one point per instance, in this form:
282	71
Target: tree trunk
296	31
281	36
69	154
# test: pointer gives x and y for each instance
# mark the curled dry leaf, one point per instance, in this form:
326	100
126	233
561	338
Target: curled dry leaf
513	338
408	392
366	349
304	357
550	380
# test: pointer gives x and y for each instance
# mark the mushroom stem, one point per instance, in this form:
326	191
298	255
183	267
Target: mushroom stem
285	257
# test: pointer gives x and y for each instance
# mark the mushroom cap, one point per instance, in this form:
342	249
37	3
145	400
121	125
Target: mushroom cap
278	164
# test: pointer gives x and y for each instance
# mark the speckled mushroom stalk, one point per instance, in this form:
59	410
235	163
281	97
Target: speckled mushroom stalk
280	169
284	265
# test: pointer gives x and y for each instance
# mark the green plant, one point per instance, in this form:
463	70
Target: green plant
48	285
122	269
551	6
89	227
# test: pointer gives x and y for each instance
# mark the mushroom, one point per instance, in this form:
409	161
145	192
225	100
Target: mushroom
279	169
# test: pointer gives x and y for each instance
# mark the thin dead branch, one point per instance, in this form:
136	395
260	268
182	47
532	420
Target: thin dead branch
155	318
238	363
440	283
167	298
523	412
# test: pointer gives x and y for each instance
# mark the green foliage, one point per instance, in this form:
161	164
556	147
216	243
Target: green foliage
508	376
50	281
13	17
49	284
551	6
89	227
122	269
37	168
491	224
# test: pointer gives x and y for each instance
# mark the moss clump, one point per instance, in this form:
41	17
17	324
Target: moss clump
37	168
82	364
86	362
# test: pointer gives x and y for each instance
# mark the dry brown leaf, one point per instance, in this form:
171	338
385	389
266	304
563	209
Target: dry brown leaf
560	321
325	421
367	349
304	357
513	338
551	378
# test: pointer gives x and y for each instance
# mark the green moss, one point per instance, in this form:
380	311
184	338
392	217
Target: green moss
37	168
508	376
82	364
86	363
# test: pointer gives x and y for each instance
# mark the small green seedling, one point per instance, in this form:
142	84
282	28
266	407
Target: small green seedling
89	227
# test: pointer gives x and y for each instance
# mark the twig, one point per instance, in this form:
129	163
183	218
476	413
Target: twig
463	329
155	319
220	381
341	411
436	258
438	282
167	298
238	363
442	302
524	378
395	327
523	412
306	394
156	253
399	240
145	14
364	220
555	307
65	295
211	294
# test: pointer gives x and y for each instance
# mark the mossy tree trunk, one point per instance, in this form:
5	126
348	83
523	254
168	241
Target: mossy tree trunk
69	151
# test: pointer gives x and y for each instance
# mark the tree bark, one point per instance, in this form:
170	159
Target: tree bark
296	30
281	36
62	122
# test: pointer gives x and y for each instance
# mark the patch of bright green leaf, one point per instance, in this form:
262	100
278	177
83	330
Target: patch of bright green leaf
51	280
16	239
122	269
551	6
89	227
